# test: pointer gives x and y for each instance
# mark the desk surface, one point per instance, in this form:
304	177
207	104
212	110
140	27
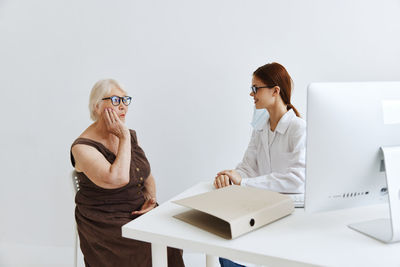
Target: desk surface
298	239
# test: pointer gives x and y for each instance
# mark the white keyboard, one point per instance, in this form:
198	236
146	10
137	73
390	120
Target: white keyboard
298	200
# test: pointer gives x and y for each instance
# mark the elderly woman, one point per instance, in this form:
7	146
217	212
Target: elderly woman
116	184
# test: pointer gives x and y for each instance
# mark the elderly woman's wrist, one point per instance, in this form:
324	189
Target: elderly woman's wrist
125	135
148	197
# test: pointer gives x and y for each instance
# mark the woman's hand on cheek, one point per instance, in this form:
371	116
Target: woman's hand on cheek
114	125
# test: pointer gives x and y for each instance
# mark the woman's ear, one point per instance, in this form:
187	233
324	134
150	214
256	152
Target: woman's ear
277	90
97	110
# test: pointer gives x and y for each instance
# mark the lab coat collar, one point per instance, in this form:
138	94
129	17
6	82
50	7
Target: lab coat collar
284	122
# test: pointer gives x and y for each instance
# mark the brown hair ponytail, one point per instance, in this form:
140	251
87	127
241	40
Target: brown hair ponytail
274	74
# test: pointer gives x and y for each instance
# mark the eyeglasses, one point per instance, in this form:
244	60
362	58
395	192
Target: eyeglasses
116	100
255	88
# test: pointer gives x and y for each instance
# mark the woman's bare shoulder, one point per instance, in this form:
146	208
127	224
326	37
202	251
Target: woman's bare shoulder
88	133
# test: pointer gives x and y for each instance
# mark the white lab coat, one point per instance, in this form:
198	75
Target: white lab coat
277	163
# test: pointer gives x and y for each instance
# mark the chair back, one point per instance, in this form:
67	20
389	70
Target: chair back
75	185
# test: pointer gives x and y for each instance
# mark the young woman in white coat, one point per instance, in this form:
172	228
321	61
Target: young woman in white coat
275	157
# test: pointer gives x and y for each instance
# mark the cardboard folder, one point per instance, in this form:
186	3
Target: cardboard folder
234	210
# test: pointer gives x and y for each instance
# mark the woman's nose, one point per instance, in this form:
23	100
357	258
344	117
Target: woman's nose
251	94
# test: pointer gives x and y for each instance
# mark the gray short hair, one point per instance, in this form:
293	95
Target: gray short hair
99	91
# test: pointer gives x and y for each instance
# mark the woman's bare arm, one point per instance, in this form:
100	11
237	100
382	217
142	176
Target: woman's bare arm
96	167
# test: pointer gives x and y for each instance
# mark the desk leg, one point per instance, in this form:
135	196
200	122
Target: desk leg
212	261
159	255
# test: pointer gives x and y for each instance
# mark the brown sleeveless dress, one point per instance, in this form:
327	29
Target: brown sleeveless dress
100	214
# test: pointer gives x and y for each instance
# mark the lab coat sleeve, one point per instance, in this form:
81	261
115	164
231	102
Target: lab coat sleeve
248	166
290	181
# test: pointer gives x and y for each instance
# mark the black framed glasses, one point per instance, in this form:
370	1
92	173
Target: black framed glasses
116	100
255	88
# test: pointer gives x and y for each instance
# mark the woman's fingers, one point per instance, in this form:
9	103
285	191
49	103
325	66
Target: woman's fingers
139	212
226	180
115	116
228	174
111	112
145	208
219	182
107	117
142	211
222	172
222	181
114	124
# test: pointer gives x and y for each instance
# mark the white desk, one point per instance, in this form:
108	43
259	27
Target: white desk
299	239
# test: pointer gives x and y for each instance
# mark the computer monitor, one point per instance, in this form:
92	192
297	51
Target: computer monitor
348	124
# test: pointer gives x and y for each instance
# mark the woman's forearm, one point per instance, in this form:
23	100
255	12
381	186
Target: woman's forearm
150	186
119	170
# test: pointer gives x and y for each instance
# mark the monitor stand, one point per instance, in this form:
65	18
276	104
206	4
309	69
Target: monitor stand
387	230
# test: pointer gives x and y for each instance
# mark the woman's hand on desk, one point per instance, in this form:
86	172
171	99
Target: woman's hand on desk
221	181
148	205
226	178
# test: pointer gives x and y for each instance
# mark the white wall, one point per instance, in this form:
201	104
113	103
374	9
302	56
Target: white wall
188	67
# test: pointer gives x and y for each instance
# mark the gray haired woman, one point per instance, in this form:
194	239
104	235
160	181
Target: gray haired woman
116	184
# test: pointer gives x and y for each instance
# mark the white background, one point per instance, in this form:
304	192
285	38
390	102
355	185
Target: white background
188	66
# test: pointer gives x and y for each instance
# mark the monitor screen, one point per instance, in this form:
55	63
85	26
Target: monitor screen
347	123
